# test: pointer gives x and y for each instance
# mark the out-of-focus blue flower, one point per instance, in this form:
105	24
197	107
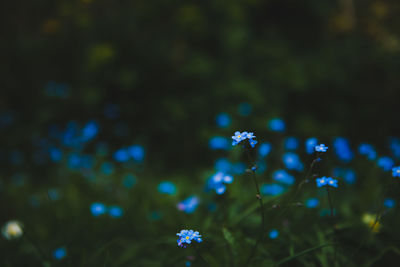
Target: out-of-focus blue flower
283	177
55	154
273	233
310	145
367	150
396	171
342	149
129	180
218	181
137	152
188	263
312	203
348	175
59	253
395	147
264	149
223	165
223	120
277	125
321	148
326	181
389	203
291	143
261	167
74	161
189	205
167	187
272	189
239	168
121	155
385	163
115	212
107	168
98	209
245	109
292	161
187	236
90	131
219	142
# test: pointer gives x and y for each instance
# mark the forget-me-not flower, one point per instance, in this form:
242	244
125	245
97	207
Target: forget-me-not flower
326	181
396	171
187	236
321	148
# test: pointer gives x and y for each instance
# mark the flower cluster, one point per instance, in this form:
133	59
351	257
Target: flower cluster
186	237
326	181
188	205
396	171
217	181
321	148
238	137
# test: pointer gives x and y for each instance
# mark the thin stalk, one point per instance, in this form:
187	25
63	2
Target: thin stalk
258	196
333	225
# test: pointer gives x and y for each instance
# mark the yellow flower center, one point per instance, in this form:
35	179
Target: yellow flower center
187	237
239	136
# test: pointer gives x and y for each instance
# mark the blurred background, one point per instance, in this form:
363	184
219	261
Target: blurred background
127	107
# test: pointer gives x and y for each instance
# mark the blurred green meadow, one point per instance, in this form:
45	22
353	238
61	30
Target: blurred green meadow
116	119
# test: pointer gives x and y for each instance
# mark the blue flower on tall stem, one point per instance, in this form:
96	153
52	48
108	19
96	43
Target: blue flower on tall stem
323	181
238	137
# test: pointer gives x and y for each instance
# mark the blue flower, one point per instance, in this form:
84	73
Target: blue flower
107	168
136	152
167	187
385	163
342	149
115	212
367	150
187	236
252	142
98	209
396	171
348	175
310	145
326	181
223	165
292	161
389	203
218	181
238	137
395	147
291	143
321	148
283	177
277	125
321	181
218	142
59	253
264	149
189	205
223	120
272	189
273	233
312	203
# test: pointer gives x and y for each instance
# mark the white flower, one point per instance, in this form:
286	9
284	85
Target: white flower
12	230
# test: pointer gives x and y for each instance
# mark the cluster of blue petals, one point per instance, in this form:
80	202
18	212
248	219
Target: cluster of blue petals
238	137
98	209
323	181
218	181
187	236
321	148
396	171
189	205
